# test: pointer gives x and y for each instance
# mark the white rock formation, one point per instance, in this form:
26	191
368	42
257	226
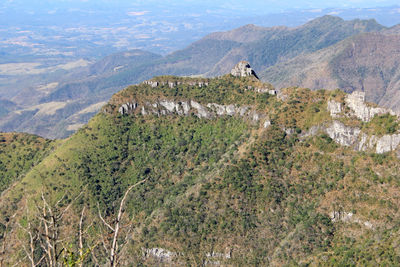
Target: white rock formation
334	108
161	254
201	111
219	109
127	108
352	136
356	102
171	106
387	143
243	69
165	107
349	217
344	135
172	84
186	108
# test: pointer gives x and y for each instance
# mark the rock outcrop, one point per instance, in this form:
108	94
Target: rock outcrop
356	102
243	69
353	136
172	84
387	143
344	135
160	254
127	108
334	108
349	217
184	108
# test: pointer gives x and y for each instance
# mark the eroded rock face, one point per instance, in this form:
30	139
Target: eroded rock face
243	69
172	84
387	143
171	106
344	135
334	108
211	110
167	256
161	254
201	111
127	108
352	136
356	102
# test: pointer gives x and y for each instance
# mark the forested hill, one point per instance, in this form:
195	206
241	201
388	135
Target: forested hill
219	171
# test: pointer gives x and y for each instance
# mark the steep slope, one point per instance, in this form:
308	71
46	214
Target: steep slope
201	57
217	53
231	175
367	62
18	154
312	36
6	107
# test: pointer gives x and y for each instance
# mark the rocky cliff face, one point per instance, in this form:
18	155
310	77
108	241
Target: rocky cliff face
243	69
345	136
185	108
356	102
162	107
353	106
353	136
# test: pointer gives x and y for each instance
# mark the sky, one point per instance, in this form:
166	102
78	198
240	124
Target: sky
258	6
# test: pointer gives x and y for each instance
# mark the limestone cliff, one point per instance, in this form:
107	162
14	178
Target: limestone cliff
243	69
353	136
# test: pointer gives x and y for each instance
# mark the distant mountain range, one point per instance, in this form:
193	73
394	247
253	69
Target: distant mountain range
318	54
367	62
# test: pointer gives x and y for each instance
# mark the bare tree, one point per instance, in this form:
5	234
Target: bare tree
81	237
83	252
44	232
113	249
33	237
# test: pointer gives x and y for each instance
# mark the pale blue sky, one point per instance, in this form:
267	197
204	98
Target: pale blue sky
261	6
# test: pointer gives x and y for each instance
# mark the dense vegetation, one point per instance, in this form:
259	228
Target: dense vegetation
18	154
216	191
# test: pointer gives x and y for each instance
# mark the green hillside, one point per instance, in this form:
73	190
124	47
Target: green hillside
221	186
18	154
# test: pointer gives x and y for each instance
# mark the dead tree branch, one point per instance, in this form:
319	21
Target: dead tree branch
113	250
